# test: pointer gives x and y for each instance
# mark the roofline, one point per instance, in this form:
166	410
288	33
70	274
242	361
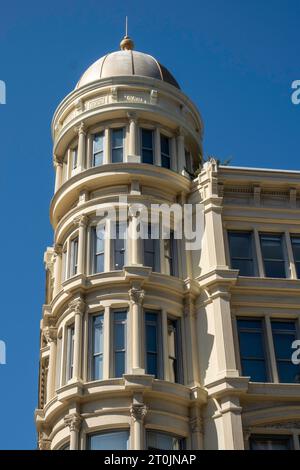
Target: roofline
253	169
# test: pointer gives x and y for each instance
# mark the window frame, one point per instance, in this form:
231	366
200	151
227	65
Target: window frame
94	252
73	263
112	148
70	348
145	129
100	133
91	347
284	259
124	322
159	347
164	155
253	259
294	237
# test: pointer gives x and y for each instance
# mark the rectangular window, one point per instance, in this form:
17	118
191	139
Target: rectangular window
98	149
252	351
296	250
117	144
284	334
74	158
242	252
163	441
64	264
74	257
165	151
273	255
116	440
151	252
277	442
70	352
173	350
152	332
119	246
147	146
170	255
120	340
98	255
58	361
97	347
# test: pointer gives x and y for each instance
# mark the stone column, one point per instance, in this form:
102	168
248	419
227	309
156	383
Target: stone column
180	152
136	243
232	423
191	341
57	269
132	135
82	222
73	420
78	307
136	296
81	158
196	428
138	412
58	165
50	334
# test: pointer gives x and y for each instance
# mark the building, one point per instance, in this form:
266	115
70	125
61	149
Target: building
145	344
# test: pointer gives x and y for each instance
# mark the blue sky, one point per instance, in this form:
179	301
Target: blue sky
236	59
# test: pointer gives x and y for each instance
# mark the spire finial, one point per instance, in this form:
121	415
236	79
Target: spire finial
126	44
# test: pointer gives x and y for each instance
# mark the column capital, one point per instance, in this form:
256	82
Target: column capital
57	249
81	220
77	306
50	334
138	412
81	129
180	132
132	116
74	421
57	162
44	444
136	295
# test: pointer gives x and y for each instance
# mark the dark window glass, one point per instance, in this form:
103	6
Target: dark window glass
151	251
119	246
273	255
74	257
241	252
116	440
99	241
251	342
270	442
284	334
165	151
163	441
97	347
120	319
151	321
173	350
98	149
170	255
117	145
296	251
147	146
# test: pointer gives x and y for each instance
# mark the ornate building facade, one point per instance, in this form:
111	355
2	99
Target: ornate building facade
145	344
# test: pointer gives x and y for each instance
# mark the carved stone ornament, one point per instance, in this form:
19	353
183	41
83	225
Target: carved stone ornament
138	412
44	444
136	295
73	421
196	425
50	334
81	221
77	305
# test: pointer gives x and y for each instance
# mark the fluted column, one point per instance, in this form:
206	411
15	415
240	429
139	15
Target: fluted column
136	296
50	334
82	222
132	134
81	147
58	165
57	269
138	412
78	307
73	420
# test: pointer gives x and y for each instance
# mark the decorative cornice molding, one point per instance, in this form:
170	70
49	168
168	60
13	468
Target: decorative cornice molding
136	295
138	412
74	421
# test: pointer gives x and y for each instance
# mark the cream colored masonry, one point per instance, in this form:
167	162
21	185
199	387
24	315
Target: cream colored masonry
214	406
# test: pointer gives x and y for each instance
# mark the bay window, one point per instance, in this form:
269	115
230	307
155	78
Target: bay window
96	352
115	440
98	149
98	239
74	257
163	441
119	246
152	343
165	151
173	350
147	139
117	144
120	342
151	252
70	352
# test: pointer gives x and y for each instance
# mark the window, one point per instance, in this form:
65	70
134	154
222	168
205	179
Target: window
117	139
74	158
74	257
58	361
173	350
70	352
151	251
252	353
116	440
273	255
296	250
170	255
284	333
152	333
119	246
165	151
188	161
120	333
241	252
99	241
277	442
98	149
64	264
147	146
163	441
96	365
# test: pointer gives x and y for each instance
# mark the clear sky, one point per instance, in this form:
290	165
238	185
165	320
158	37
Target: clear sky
236	59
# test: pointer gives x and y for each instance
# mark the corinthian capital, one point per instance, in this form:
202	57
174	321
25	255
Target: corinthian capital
57	249
138	412
50	334
81	220
73	421
136	295
81	129
77	306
